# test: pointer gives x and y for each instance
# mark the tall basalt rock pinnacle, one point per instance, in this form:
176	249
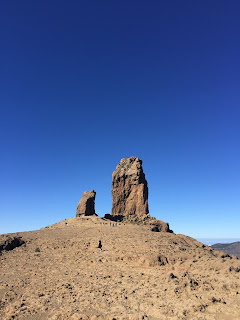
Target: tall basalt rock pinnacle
86	205
130	190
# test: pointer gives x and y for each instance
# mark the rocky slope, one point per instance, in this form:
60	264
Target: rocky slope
61	274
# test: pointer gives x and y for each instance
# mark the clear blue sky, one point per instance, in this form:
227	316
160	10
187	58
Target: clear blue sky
86	83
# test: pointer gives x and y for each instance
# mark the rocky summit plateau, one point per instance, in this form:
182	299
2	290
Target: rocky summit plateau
143	270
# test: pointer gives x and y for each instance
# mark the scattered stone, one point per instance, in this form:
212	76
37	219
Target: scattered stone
214	300
162	261
226	256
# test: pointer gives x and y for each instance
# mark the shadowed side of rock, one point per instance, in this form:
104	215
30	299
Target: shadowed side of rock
9	243
130	196
86	205
130	190
159	226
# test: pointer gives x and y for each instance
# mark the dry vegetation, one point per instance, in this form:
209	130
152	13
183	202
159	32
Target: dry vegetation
139	274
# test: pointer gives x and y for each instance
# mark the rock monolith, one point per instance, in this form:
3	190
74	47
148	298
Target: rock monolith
130	190
86	205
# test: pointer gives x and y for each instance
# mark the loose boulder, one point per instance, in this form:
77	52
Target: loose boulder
130	190
86	205
159	226
10	243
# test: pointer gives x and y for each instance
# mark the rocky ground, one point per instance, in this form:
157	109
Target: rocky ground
139	274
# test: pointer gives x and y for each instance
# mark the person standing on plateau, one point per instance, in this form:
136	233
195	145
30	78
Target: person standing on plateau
100	244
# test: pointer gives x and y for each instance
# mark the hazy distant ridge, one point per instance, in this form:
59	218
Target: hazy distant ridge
230	248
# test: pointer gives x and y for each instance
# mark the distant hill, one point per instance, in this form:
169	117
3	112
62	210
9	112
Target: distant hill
230	248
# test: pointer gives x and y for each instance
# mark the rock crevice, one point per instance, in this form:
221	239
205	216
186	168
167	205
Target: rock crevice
130	190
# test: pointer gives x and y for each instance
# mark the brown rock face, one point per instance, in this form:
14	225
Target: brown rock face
86	205
130	190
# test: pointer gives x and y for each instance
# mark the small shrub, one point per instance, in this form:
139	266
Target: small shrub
37	250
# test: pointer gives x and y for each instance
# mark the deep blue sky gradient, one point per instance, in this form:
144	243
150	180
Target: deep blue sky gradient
86	83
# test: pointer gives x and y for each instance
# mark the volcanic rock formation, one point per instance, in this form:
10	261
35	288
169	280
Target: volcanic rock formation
9	243
86	205
130	190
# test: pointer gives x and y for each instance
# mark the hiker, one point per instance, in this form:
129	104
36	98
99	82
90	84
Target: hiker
100	245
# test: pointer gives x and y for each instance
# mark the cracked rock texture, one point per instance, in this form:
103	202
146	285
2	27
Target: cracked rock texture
130	190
